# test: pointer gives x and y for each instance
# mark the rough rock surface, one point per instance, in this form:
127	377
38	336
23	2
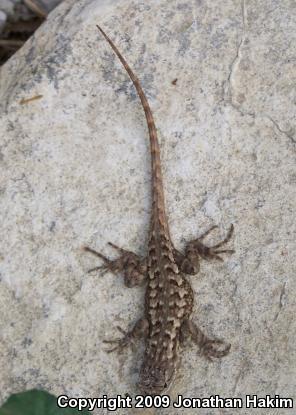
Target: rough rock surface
16	10
75	171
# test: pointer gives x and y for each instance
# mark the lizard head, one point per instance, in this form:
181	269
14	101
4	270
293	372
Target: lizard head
156	379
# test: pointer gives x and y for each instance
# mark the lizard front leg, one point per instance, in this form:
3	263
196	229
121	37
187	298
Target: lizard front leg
196	249
140	329
208	347
131	265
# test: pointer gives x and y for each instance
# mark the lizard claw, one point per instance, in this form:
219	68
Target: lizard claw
226	239
120	343
107	263
212	252
102	268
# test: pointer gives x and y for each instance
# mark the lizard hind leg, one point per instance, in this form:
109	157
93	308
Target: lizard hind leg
129	264
210	348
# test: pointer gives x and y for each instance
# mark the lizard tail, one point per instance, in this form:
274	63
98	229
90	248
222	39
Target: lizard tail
157	182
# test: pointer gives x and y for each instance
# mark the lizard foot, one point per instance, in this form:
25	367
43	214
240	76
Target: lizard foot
189	263
139	330
128	263
215	348
208	347
120	343
212	252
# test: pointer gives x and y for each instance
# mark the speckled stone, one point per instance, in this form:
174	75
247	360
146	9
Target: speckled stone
75	171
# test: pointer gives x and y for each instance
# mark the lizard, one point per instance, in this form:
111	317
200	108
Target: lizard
169	296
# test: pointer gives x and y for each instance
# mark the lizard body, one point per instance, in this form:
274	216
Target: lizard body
169	296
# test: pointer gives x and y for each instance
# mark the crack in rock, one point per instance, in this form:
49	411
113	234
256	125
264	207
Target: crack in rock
228	86
288	134
281	303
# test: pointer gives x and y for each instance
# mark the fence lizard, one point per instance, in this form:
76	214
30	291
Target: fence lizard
169	296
